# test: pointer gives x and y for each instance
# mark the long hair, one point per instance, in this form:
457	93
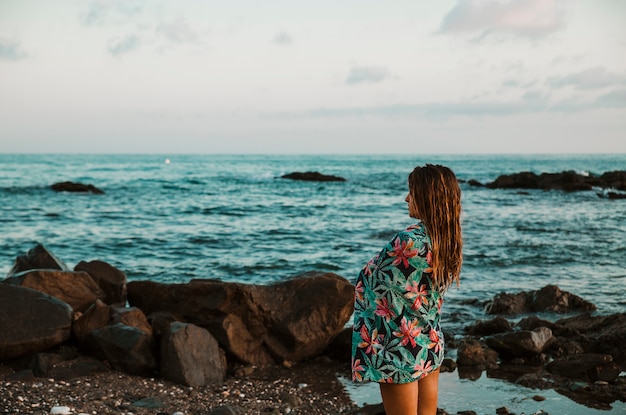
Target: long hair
436	196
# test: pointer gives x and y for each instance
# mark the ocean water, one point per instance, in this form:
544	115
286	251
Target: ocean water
230	217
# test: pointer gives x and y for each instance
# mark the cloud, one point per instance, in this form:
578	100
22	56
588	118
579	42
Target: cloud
523	18
103	11
282	38
593	78
177	31
11	50
368	74
119	46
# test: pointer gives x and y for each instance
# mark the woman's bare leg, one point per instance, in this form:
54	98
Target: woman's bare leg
428	393
399	398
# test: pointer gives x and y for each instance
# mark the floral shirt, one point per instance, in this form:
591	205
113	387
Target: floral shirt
396	337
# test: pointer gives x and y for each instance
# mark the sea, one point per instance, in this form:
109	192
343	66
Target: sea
174	218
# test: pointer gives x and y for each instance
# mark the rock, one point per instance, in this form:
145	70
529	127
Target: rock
472	353
227	410
111	280
96	316
567	180
131	316
549	298
257	324
37	258
191	356
60	410
615	195
448	365
486	328
520	343
312	176
128	349
31	321
600	334
76	187
75	288
340	348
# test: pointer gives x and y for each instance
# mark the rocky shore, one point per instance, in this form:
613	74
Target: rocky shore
87	341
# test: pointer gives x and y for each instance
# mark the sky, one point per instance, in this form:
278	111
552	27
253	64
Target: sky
313	77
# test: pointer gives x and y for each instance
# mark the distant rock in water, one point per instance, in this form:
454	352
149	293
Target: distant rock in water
567	180
76	187
312	176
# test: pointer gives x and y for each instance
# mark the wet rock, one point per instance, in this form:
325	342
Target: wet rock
131	316
126	348
549	298
567	180
96	316
76	188
313	176
257	324
486	328
37	258
520	343
448	365
111	280
588	367
472	353
340	347
191	356
74	288
31	321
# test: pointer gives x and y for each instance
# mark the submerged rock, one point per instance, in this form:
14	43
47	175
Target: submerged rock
76	188
313	176
567	180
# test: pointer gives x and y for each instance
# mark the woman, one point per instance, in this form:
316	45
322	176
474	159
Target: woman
397	340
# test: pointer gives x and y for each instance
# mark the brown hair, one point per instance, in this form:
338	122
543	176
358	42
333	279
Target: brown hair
436	196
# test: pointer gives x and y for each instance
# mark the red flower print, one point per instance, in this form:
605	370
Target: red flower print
402	251
358	291
371	343
371	264
408	332
422	367
435	341
383	309
356	368
418	293
429	258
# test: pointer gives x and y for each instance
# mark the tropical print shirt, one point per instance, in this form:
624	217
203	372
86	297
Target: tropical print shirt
397	337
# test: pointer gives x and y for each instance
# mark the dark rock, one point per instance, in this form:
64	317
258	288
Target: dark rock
600	334
549	298
31	321
615	195
340	348
76	187
485	328
448	365
150	403
37	258
191	356
377	409
227	410
520	343
588	367
257	324
96	316
131	316
111	280
312	176
475	183
75	288
76	368
472	353
126	348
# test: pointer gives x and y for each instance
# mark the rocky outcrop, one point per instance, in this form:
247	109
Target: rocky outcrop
31	321
74	288
191	356
312	176
548	298
76	188
522	343
37	258
111	281
257	324
567	180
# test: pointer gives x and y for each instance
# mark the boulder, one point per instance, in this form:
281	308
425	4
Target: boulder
472	353
111	281
131	316
566	180
312	176
74	288
126	348
588	367
549	298
522	343
485	328
37	258
31	321
257	324
600	334
95	317
76	188
191	356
